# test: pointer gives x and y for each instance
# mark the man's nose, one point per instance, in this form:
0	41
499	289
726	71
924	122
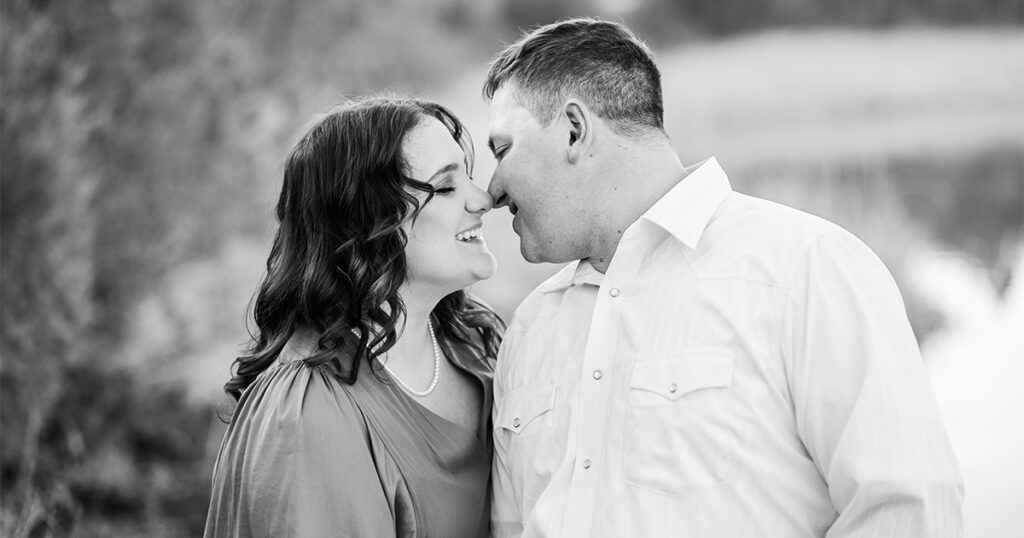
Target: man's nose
497	192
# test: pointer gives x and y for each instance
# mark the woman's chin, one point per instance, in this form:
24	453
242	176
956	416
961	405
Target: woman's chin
484	269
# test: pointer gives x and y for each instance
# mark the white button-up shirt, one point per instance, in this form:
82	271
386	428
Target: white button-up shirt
742	369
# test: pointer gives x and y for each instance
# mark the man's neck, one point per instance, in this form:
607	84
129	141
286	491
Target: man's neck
635	178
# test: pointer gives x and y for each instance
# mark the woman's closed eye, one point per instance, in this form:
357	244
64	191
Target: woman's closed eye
448	186
445	187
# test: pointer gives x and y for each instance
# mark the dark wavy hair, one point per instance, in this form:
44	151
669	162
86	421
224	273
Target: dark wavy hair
338	257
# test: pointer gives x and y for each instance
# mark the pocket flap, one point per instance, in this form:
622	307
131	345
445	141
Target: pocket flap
672	377
524	404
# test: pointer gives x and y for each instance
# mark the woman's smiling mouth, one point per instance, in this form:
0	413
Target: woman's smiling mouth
471	235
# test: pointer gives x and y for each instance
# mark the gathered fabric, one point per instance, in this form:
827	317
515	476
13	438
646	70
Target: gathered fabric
309	455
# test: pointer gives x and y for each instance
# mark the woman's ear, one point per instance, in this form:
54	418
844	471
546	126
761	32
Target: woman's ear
579	119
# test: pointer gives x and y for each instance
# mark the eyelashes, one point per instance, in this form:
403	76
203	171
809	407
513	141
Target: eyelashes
448	189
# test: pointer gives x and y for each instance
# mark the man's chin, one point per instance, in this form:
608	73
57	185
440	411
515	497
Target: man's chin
530	256
529	252
534	254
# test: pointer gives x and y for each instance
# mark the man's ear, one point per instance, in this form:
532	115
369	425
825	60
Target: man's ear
581	134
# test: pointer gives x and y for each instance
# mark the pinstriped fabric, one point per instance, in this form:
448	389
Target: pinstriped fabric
741	370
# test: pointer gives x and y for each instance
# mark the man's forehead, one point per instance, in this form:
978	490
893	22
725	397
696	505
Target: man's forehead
499	109
507	111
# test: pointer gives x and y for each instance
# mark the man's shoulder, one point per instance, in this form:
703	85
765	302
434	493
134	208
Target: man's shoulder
760	240
788	224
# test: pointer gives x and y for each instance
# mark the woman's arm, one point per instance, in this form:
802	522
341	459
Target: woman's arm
300	465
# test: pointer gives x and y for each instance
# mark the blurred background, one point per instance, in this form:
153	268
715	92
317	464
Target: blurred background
142	148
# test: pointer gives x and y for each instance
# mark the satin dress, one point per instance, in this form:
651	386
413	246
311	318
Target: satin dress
307	455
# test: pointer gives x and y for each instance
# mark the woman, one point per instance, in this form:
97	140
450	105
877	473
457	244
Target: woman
363	407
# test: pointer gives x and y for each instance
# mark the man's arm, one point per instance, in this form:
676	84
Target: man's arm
505	509
864	406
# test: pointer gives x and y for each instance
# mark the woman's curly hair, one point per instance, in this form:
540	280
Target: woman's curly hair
338	258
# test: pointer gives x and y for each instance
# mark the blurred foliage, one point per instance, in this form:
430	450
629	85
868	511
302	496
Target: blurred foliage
970	203
986	223
132	142
723	17
138	135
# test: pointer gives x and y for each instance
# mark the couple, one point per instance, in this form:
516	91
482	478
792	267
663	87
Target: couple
709	365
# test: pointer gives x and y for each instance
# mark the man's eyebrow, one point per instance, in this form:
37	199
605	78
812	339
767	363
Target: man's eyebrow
446	169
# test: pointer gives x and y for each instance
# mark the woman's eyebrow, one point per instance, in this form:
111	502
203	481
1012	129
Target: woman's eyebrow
446	169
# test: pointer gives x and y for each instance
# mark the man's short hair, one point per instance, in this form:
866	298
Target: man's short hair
599	62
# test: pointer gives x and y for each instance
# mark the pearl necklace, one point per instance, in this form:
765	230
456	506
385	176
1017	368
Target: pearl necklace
437	368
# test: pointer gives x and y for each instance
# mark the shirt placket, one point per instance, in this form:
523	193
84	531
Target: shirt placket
595	386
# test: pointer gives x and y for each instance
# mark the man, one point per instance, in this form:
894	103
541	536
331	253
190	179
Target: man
710	364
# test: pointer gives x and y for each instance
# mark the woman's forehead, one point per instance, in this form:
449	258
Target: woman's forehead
430	147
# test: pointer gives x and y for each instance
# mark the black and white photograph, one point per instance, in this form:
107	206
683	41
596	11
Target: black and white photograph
512	269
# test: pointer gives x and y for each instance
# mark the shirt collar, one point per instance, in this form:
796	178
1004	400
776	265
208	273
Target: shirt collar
686	209
586	274
573	274
560	280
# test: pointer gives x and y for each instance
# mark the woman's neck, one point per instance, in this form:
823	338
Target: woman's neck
413	334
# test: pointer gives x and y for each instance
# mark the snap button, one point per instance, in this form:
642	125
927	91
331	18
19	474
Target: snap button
516	422
614	292
598	374
673	388
586	464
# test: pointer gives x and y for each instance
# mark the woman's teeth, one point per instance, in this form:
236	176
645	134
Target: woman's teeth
468	235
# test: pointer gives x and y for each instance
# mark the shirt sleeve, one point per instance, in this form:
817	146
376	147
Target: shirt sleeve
299	466
506	513
864	407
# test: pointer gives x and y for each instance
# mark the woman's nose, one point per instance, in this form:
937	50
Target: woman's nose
479	201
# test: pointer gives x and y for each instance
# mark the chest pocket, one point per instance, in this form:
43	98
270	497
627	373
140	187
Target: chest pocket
524	406
681	425
671	379
524	439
